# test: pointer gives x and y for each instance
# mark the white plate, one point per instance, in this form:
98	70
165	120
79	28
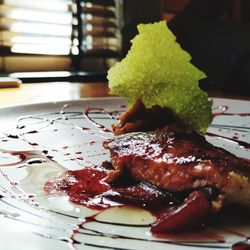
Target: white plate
31	219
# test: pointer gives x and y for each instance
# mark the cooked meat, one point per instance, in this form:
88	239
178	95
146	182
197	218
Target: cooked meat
139	118
177	160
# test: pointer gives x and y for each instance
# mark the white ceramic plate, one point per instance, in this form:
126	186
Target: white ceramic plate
32	219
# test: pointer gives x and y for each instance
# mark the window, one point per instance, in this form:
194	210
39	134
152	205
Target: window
46	35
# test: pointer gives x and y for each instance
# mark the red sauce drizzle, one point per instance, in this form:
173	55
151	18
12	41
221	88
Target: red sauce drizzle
84	187
21	158
88	186
240	143
87	115
242	245
223	111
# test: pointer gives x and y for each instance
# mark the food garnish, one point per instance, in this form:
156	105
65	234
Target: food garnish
158	140
158	71
158	158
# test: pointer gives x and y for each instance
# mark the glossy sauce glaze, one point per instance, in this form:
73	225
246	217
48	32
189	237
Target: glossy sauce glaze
242	245
88	187
21	158
81	191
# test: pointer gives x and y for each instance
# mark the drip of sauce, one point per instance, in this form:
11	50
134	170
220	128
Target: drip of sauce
32	132
217	237
242	245
13	136
243	129
83	187
21	158
240	143
222	110
87	186
72	239
85	128
90	111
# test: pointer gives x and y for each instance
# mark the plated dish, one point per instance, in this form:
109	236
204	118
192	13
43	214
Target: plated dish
41	142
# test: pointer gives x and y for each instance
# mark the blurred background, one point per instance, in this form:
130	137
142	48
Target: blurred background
79	40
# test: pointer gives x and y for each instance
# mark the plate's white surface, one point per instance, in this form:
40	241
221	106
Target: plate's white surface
30	219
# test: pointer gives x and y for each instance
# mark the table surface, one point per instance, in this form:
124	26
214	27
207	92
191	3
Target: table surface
47	92
58	91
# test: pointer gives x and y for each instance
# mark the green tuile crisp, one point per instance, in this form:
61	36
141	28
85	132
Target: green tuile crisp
158	72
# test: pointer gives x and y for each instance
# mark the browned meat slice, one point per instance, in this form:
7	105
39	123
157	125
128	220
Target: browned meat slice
178	160
139	118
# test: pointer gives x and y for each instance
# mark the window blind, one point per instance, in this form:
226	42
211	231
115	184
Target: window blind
35	34
98	33
57	34
100	26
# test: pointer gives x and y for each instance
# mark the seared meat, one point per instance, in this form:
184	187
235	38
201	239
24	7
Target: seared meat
139	118
177	160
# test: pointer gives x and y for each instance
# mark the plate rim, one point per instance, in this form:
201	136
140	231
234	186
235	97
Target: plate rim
25	104
110	98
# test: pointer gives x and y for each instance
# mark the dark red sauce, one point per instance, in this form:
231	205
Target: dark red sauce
106	130
242	245
88	112
239	142
72	239
235	232
13	136
32	132
20	158
222	110
182	217
83	187
219	110
85	128
88	186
